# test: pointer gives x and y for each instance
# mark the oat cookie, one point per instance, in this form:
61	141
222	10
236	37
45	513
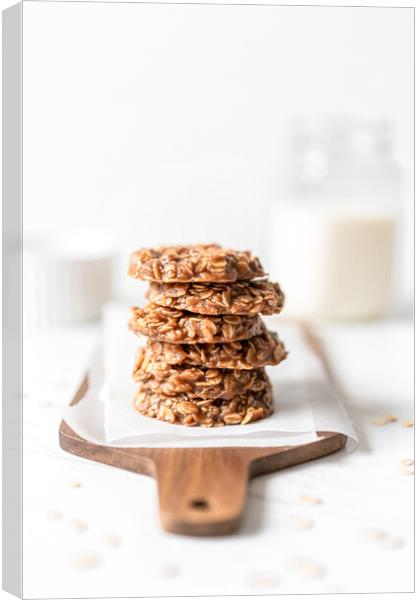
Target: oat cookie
199	263
240	298
259	351
182	410
196	382
178	326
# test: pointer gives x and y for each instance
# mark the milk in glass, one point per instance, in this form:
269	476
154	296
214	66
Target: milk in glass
332	239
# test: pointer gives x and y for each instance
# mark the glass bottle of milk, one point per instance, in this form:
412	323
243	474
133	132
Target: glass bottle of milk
332	241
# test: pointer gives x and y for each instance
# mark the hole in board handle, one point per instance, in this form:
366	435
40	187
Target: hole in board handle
199	504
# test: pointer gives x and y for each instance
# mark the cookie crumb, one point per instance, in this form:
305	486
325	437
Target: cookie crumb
408	423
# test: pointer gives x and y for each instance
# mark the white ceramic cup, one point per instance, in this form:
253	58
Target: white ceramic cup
67	277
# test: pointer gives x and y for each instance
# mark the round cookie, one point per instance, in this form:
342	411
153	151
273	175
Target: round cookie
196	382
259	351
199	263
239	298
182	327
182	410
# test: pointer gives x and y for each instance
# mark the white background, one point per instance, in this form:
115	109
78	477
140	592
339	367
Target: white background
166	123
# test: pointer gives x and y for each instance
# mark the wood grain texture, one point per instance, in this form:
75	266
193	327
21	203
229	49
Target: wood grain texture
202	491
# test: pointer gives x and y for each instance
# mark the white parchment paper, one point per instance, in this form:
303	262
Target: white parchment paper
305	401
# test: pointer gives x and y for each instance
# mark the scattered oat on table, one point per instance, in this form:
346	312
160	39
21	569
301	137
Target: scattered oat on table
296	522
407	466
385	420
169	570
111	539
392	543
310	500
306	568
382	538
85	561
262	580
408	423
55	514
408	471
372	535
79	525
74	484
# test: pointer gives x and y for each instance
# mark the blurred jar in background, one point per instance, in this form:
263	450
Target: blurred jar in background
332	239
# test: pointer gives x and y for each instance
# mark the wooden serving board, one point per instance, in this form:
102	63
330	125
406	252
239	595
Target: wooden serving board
202	491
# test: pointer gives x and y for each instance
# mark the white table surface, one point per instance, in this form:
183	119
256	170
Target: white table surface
93	530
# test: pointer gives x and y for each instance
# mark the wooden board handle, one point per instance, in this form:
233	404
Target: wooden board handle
202	491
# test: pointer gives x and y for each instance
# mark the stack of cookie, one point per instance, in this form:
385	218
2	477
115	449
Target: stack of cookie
207	345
